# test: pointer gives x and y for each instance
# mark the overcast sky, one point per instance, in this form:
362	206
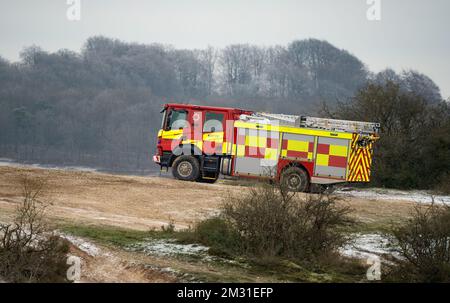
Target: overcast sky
411	33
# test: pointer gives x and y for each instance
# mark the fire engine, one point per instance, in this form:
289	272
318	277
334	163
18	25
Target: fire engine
201	142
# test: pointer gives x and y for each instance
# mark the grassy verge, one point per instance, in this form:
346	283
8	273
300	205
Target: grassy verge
383	227
247	270
338	271
121	237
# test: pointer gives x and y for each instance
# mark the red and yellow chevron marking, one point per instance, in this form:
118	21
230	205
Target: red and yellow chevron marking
360	161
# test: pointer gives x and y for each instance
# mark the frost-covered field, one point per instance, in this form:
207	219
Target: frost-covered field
86	246
419	196
168	248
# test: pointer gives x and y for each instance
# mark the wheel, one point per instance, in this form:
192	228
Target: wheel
186	168
295	179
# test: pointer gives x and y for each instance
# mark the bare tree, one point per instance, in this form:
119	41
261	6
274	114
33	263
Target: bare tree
208	58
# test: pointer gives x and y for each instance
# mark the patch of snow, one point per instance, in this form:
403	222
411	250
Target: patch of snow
167	270
12	163
363	246
168	247
58	167
183	277
89	248
419	196
8	162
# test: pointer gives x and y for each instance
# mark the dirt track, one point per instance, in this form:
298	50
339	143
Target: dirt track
145	202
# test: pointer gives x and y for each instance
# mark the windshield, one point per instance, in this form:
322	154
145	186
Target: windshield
163	117
176	119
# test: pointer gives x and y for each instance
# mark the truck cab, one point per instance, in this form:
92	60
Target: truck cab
194	139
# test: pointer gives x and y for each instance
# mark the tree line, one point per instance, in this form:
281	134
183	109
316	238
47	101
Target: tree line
414	146
100	106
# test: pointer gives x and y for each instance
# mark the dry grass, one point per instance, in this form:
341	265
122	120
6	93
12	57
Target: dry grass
149	202
140	203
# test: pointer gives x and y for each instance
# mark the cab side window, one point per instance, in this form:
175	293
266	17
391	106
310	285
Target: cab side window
176	119
213	122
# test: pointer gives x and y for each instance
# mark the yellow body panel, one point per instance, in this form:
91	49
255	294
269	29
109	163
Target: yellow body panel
322	159
240	152
271	153
170	134
338	150
255	141
216	137
301	146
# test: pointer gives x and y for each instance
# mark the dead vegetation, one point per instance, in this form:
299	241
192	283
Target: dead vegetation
443	185
275	222
423	244
29	251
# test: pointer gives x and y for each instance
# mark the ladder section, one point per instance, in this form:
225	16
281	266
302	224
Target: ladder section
313	122
283	119
340	125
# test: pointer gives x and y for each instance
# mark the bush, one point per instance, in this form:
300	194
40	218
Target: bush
29	252
423	244
444	184
222	238
272	222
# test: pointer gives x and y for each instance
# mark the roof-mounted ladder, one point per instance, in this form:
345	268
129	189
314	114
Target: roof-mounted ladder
340	125
317	123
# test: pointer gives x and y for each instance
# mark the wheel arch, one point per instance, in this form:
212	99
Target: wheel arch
285	164
186	149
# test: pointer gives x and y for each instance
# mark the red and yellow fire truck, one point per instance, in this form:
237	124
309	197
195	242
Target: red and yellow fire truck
201	142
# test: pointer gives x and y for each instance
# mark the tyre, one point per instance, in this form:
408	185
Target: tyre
186	168
295	179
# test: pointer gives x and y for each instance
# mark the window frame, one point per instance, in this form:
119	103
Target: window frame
205	114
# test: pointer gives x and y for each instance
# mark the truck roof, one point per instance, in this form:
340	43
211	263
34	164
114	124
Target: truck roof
293	120
220	108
